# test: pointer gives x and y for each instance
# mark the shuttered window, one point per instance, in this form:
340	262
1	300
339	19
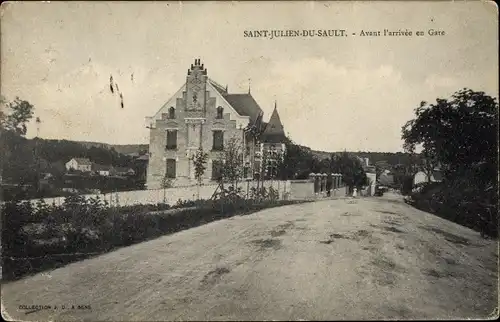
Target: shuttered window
171	164
171	139
218	144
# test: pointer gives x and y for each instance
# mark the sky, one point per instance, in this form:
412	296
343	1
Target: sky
336	93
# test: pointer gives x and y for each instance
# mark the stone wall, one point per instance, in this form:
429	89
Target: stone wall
172	195
301	189
290	190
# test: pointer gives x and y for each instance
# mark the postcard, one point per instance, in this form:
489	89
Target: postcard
227	160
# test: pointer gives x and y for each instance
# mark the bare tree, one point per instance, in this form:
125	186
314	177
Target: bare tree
199	160
232	157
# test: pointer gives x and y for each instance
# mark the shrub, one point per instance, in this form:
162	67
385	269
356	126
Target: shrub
461	201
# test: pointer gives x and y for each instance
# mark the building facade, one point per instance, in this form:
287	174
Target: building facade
202	113
79	164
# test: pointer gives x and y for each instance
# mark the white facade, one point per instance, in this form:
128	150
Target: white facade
104	173
83	165
421	177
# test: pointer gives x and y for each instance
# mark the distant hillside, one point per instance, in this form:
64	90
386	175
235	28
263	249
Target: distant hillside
131	148
391	158
25	158
374	157
120	148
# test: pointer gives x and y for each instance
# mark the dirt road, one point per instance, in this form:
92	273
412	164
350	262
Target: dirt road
373	258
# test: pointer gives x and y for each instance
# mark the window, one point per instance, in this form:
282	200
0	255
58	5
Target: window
171	112
220	112
217	169
171	164
218	144
171	139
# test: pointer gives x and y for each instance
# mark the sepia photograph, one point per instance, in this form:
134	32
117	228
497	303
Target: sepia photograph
249	160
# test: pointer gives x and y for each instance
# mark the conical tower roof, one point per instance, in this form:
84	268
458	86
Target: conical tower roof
274	131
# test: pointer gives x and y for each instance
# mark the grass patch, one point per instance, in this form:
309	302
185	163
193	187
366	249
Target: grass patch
348	214
214	276
268	243
358	235
361	234
458	240
281	229
277	233
450	261
388	212
384	263
339	236
434	251
394	230
437	274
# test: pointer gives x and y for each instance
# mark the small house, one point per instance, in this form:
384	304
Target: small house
435	176
122	171
102	170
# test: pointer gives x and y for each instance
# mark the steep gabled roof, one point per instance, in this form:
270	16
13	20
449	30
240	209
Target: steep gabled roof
244	104
83	161
144	157
123	169
218	87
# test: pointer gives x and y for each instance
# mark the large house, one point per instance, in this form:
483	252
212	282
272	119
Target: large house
79	164
202	113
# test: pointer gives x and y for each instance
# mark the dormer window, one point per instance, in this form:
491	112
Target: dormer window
220	112
171	112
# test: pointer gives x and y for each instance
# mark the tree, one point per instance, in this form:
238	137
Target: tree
456	132
351	169
298	161
199	161
19	113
